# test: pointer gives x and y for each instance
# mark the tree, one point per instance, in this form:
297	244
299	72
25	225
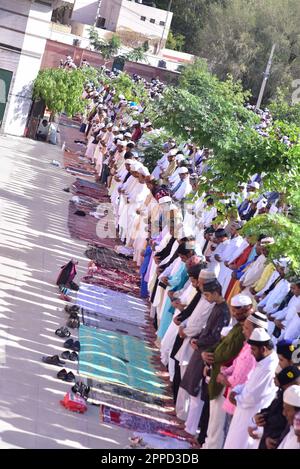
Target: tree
61	89
175	41
111	49
238	36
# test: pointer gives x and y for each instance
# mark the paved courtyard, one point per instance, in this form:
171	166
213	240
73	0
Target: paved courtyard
34	243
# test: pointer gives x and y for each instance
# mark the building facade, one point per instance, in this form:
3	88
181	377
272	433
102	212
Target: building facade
24	29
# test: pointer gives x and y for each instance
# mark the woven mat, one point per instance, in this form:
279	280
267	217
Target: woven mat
134	422
121	306
108	258
118	358
114	279
100	321
90	229
89	188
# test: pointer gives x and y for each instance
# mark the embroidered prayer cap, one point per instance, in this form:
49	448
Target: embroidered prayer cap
291	395
288	375
136	166
179	157
183	170
121	143
285	348
240	300
267	241
164	200
207	275
144	171
282	262
131	142
135	122
259	337
260	319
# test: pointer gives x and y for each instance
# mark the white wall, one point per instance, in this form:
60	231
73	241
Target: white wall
84	11
27	68
130	18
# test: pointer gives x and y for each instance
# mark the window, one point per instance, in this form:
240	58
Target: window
143	18
100	22
162	23
152	20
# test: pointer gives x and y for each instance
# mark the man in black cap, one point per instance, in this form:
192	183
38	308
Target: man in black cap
285	350
271	419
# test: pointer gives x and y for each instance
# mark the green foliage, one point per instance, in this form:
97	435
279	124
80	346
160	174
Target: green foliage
132	91
61	89
175	41
111	49
108	49
283	110
285	232
154	150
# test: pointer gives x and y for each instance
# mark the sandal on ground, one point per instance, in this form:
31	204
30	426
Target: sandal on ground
74	356
73	323
62	374
72	309
54	360
76	346
69	377
69	343
66	355
63	332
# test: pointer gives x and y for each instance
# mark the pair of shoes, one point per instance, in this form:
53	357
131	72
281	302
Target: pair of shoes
54	360
67	355
70	344
65	376
73	323
64	297
82	389
73	316
72	309
63	332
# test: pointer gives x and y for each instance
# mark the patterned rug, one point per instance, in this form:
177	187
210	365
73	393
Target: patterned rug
114	279
99	321
121	392
109	259
118	358
110	303
135	422
89	188
100	232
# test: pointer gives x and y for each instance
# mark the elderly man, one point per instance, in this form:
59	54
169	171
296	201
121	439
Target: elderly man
183	188
257	393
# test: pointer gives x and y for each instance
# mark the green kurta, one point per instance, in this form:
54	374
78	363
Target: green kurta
226	350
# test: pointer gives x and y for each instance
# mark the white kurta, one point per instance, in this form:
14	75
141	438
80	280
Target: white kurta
253	272
271	302
256	394
290	441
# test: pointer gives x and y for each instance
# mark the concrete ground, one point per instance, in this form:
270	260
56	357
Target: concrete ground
34	243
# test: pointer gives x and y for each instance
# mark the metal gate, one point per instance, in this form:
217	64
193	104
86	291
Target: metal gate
5	80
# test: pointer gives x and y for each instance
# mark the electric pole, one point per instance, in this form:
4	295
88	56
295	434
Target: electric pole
265	79
167	17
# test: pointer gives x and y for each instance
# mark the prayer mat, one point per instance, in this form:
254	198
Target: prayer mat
89	228
92	189
134	422
108	258
118	358
74	170
99	321
147	410
142	440
110	303
127	393
114	279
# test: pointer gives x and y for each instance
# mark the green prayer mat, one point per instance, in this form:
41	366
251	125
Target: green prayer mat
113	357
